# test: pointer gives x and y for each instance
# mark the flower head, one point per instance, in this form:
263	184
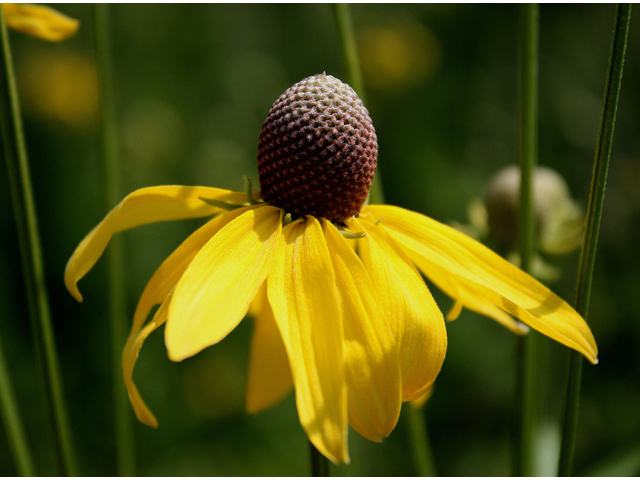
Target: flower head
349	324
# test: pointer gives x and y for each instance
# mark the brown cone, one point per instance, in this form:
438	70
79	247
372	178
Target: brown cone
318	150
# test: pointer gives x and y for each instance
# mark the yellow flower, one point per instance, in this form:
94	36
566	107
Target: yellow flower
39	21
341	313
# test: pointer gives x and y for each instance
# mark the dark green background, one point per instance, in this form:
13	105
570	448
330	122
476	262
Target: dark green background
194	84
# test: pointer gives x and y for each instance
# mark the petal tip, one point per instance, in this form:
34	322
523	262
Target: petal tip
181	346
175	355
70	282
75	293
147	418
180	349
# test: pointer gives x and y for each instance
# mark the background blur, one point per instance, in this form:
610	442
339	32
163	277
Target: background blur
194	84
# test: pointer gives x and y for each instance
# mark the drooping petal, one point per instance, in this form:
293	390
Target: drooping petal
301	288
39	21
374	386
463	294
158	290
129	357
466	297
168	274
144	206
269	372
410	310
490	275
214	293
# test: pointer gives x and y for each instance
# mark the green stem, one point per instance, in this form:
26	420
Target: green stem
31	256
528	126
422	453
125	459
592	226
319	463
15	433
529	352
349	51
349	48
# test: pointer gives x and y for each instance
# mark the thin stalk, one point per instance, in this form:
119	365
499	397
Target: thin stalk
528	128
15	433
529	351
319	463
592	226
349	51
422	453
348	48
31	257
108	153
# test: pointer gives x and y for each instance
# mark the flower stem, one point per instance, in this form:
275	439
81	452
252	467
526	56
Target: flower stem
349	52
31	256
422	454
319	463
349	48
528	125
592	226
15	433
125	464
529	351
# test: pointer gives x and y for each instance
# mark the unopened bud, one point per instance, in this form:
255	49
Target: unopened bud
558	219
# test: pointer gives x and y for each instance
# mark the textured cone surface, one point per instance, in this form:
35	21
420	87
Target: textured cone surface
318	150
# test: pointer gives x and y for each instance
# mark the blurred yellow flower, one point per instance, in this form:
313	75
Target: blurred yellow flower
397	54
341	313
59	86
39	21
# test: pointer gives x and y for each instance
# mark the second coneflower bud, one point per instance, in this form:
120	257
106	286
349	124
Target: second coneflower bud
558	218
317	151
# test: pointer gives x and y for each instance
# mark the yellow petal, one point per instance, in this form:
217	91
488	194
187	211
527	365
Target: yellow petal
157	291
129	357
214	293
269	373
374	386
39	21
465	296
301	288
168	274
144	206
490	275
411	312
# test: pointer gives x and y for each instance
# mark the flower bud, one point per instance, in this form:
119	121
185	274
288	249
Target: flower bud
558	219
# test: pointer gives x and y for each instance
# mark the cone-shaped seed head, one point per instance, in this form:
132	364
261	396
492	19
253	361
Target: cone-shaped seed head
318	150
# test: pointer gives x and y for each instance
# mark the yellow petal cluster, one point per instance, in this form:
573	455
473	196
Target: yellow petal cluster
351	326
